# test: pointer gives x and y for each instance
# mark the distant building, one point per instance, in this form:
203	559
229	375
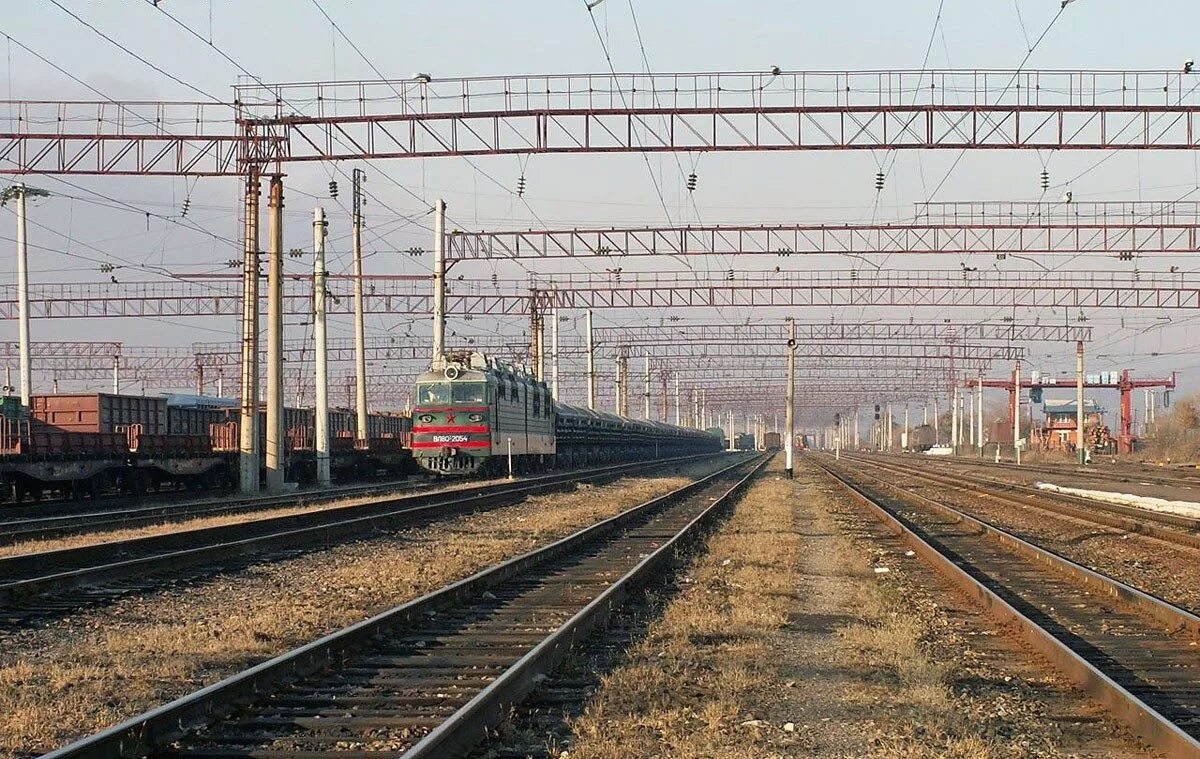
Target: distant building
1059	432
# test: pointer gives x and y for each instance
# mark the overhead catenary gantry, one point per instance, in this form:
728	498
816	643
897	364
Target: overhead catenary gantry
1120	229
269	126
645	290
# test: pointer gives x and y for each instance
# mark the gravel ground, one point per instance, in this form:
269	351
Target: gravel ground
785	639
82	673
1167	570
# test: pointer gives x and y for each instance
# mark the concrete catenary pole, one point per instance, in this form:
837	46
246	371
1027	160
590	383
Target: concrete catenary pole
591	364
979	412
116	375
937	427
678	410
360	329
646	387
905	444
1081	446
321	424
25	367
554	353
790	412
274	457
248	425
1016	411
439	285
954	441
857	439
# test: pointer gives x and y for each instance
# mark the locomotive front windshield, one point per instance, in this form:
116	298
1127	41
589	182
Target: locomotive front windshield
452	392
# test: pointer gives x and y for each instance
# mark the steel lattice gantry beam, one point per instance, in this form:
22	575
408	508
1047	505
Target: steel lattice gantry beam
598	113
939	289
670	333
699	112
1120	229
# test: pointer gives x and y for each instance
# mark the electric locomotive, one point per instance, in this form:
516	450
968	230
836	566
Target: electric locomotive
476	412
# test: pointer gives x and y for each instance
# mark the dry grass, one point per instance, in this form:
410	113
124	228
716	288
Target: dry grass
199	523
694	687
82	674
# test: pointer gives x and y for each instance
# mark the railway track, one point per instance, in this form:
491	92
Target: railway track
32	523
1132	651
1171	528
430	677
1123	473
51	582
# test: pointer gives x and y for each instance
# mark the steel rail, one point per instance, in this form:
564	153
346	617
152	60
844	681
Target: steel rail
73	521
1180	530
1158	730
166	724
30	576
1152	477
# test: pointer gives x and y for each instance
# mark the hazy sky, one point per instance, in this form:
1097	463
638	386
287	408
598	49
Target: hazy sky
292	40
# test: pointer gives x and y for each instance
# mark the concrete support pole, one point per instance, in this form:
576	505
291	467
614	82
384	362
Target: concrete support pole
321	414
695	409
677	405
275	458
116	375
954	431
979	412
970	403
887	442
360	327
617	389
856	436
439	285
790	412
248	425
1017	412
937	427
905	444
646	387
591	364
554	353
25	370
1080	445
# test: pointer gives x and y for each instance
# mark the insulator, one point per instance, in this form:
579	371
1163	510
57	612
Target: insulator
495	279
1045	180
691	181
333	189
187	204
879	181
521	186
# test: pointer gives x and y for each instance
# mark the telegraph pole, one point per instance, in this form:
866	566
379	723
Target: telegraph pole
1080	448
439	284
321	425
360	338
275	461
248	451
789	446
591	364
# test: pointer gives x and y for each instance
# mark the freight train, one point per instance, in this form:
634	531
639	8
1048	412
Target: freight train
477	414
77	445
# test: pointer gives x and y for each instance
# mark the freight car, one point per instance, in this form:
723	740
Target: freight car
477	414
76	445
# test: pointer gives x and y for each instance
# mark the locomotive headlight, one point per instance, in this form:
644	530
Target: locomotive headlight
475	417
426	418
